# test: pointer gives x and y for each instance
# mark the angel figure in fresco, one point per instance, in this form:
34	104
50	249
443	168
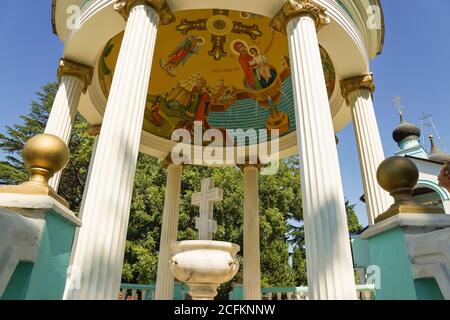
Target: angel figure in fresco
189	46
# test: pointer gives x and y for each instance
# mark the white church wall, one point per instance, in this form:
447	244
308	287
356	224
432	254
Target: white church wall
428	178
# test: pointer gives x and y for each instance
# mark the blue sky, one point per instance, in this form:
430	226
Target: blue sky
415	64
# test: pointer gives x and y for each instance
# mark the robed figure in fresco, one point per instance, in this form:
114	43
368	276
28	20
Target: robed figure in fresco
189	46
258	73
262	67
247	65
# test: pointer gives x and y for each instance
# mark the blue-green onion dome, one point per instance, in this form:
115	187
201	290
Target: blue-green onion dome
436	154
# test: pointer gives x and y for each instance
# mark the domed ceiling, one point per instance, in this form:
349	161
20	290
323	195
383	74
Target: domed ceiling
227	69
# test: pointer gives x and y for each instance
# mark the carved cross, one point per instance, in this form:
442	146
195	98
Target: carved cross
205	199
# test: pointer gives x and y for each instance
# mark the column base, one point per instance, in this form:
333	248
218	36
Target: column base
402	209
203	291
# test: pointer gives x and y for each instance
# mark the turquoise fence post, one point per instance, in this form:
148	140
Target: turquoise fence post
237	293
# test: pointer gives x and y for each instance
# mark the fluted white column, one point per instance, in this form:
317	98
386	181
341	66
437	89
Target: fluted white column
74	78
169	232
358	92
252	264
329	260
101	240
73	275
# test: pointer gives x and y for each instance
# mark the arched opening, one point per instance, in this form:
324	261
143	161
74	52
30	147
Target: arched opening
428	197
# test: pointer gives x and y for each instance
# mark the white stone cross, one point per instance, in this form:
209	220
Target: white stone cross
205	224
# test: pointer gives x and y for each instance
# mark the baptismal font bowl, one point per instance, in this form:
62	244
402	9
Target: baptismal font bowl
204	265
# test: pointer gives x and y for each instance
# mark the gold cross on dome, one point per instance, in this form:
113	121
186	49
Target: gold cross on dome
398	104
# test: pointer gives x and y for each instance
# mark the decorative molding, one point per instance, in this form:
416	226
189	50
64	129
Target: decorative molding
85	73
409	221
356	83
167	162
248	164
297	8
430	257
34	205
123	7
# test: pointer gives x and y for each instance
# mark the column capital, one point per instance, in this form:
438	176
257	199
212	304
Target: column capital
298	8
357	83
94	130
167	162
247	164
123	7
84	73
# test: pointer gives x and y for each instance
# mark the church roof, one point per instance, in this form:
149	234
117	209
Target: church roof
424	160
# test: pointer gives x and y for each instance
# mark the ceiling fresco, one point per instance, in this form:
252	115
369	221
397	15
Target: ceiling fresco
227	69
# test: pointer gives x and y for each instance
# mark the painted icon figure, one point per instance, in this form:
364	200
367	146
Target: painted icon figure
189	46
263	69
258	73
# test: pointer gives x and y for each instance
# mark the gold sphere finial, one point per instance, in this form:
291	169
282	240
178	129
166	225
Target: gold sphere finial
399	176
397	173
44	155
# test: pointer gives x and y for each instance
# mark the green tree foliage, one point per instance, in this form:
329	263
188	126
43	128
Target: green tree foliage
148	202
280	202
352	218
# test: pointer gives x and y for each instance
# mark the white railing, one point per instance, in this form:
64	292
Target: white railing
363	292
136	292
147	292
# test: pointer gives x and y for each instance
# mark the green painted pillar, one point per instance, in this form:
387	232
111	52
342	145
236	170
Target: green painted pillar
385	251
39	256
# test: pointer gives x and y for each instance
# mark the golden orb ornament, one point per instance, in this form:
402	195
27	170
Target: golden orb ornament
399	176
44	155
397	173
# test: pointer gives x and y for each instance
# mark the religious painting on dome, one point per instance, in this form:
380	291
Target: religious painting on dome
328	70
227	69
189	46
258	73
